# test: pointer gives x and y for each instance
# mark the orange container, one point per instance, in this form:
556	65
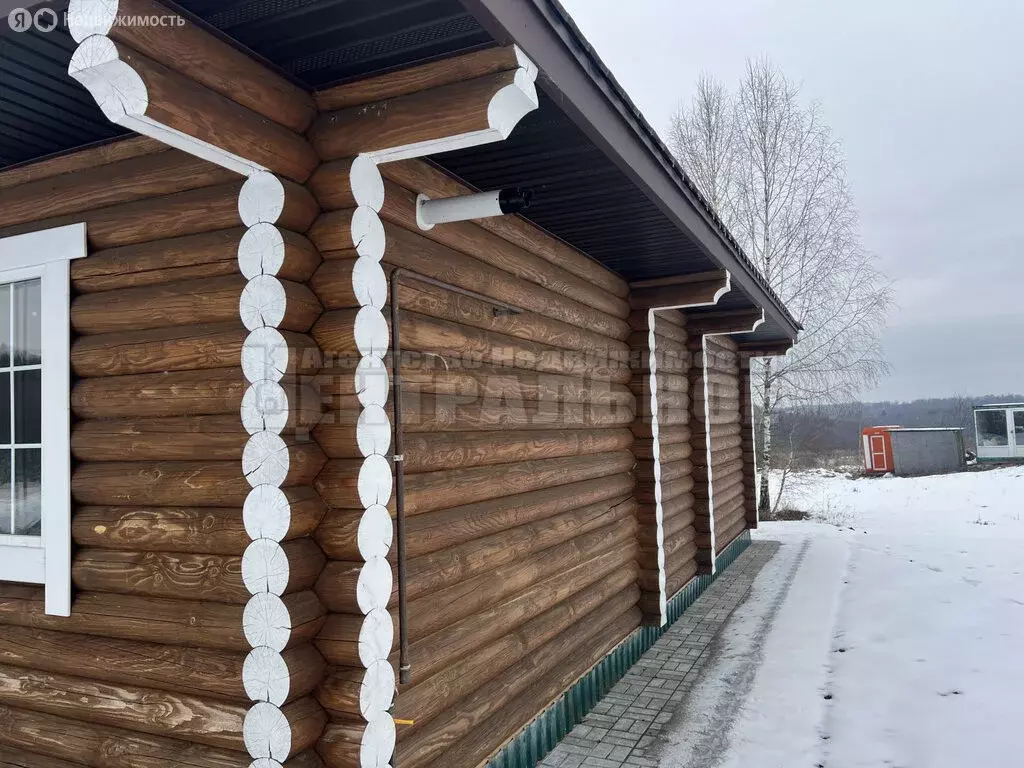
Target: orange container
876	446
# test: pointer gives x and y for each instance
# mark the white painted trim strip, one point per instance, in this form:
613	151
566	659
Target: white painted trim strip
656	453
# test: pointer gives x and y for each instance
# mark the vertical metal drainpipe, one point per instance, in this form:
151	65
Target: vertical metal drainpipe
404	664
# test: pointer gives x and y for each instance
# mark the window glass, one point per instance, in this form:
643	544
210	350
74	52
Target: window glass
20	408
28	346
1018	427
28	491
6	507
991	428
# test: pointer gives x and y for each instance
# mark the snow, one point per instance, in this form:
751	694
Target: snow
887	631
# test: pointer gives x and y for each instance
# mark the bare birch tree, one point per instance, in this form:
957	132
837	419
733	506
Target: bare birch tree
774	172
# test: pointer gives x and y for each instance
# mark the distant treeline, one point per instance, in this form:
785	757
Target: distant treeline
835	429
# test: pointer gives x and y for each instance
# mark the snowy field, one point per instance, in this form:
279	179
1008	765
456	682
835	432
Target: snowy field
887	632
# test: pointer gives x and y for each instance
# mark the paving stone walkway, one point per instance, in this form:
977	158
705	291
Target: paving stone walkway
624	729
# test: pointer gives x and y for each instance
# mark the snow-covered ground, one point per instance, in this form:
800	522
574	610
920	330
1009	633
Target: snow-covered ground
888	631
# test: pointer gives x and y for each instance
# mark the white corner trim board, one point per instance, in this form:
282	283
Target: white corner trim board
656	453
45	559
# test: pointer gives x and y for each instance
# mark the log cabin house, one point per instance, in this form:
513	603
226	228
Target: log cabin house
237	528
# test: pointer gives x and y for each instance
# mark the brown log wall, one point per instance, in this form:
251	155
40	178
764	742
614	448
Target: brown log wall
747	444
521	521
676	534
147	670
717	446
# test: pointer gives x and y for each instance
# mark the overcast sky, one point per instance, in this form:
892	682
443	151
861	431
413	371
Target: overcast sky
928	101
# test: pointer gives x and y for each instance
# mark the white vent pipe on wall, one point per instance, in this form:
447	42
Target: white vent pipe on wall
480	205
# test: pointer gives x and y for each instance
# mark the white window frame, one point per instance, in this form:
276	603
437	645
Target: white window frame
46	559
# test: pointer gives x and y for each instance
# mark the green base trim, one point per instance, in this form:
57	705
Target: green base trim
528	747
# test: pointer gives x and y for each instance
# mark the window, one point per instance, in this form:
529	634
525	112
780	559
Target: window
991	428
35	451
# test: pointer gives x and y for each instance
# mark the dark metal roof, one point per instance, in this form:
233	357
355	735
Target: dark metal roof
42	110
322	42
585	193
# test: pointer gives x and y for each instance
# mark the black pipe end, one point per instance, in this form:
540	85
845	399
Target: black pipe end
514	199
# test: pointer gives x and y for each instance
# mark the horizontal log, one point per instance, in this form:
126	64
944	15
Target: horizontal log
203	57
454	69
190	671
440	597
669	470
421	177
357	641
137	178
432	414
213	530
435	490
201	484
423	373
485	737
357	693
724	321
429	697
210	254
640	384
681	291
434	301
181	348
639	319
183	213
163	95
679	486
216	578
725	450
358	743
415	252
649	580
429	452
679	578
450	527
193	719
434	652
17	758
427	117
157	620
182	438
677	507
188	302
730	535
91	744
113	151
469	238
335	332
183	393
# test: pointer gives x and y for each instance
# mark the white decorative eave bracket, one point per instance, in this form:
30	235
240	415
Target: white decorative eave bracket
124	98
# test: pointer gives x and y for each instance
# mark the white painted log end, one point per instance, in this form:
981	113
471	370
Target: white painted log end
117	88
370	331
264	355
372	381
263	303
266	622
265	676
378	743
513	102
375	533
261	251
374	585
266	513
266	732
374	482
373	431
368	233
91	17
265	459
261	200
367	183
265	762
377	691
376	637
265	567
369	283
265	407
